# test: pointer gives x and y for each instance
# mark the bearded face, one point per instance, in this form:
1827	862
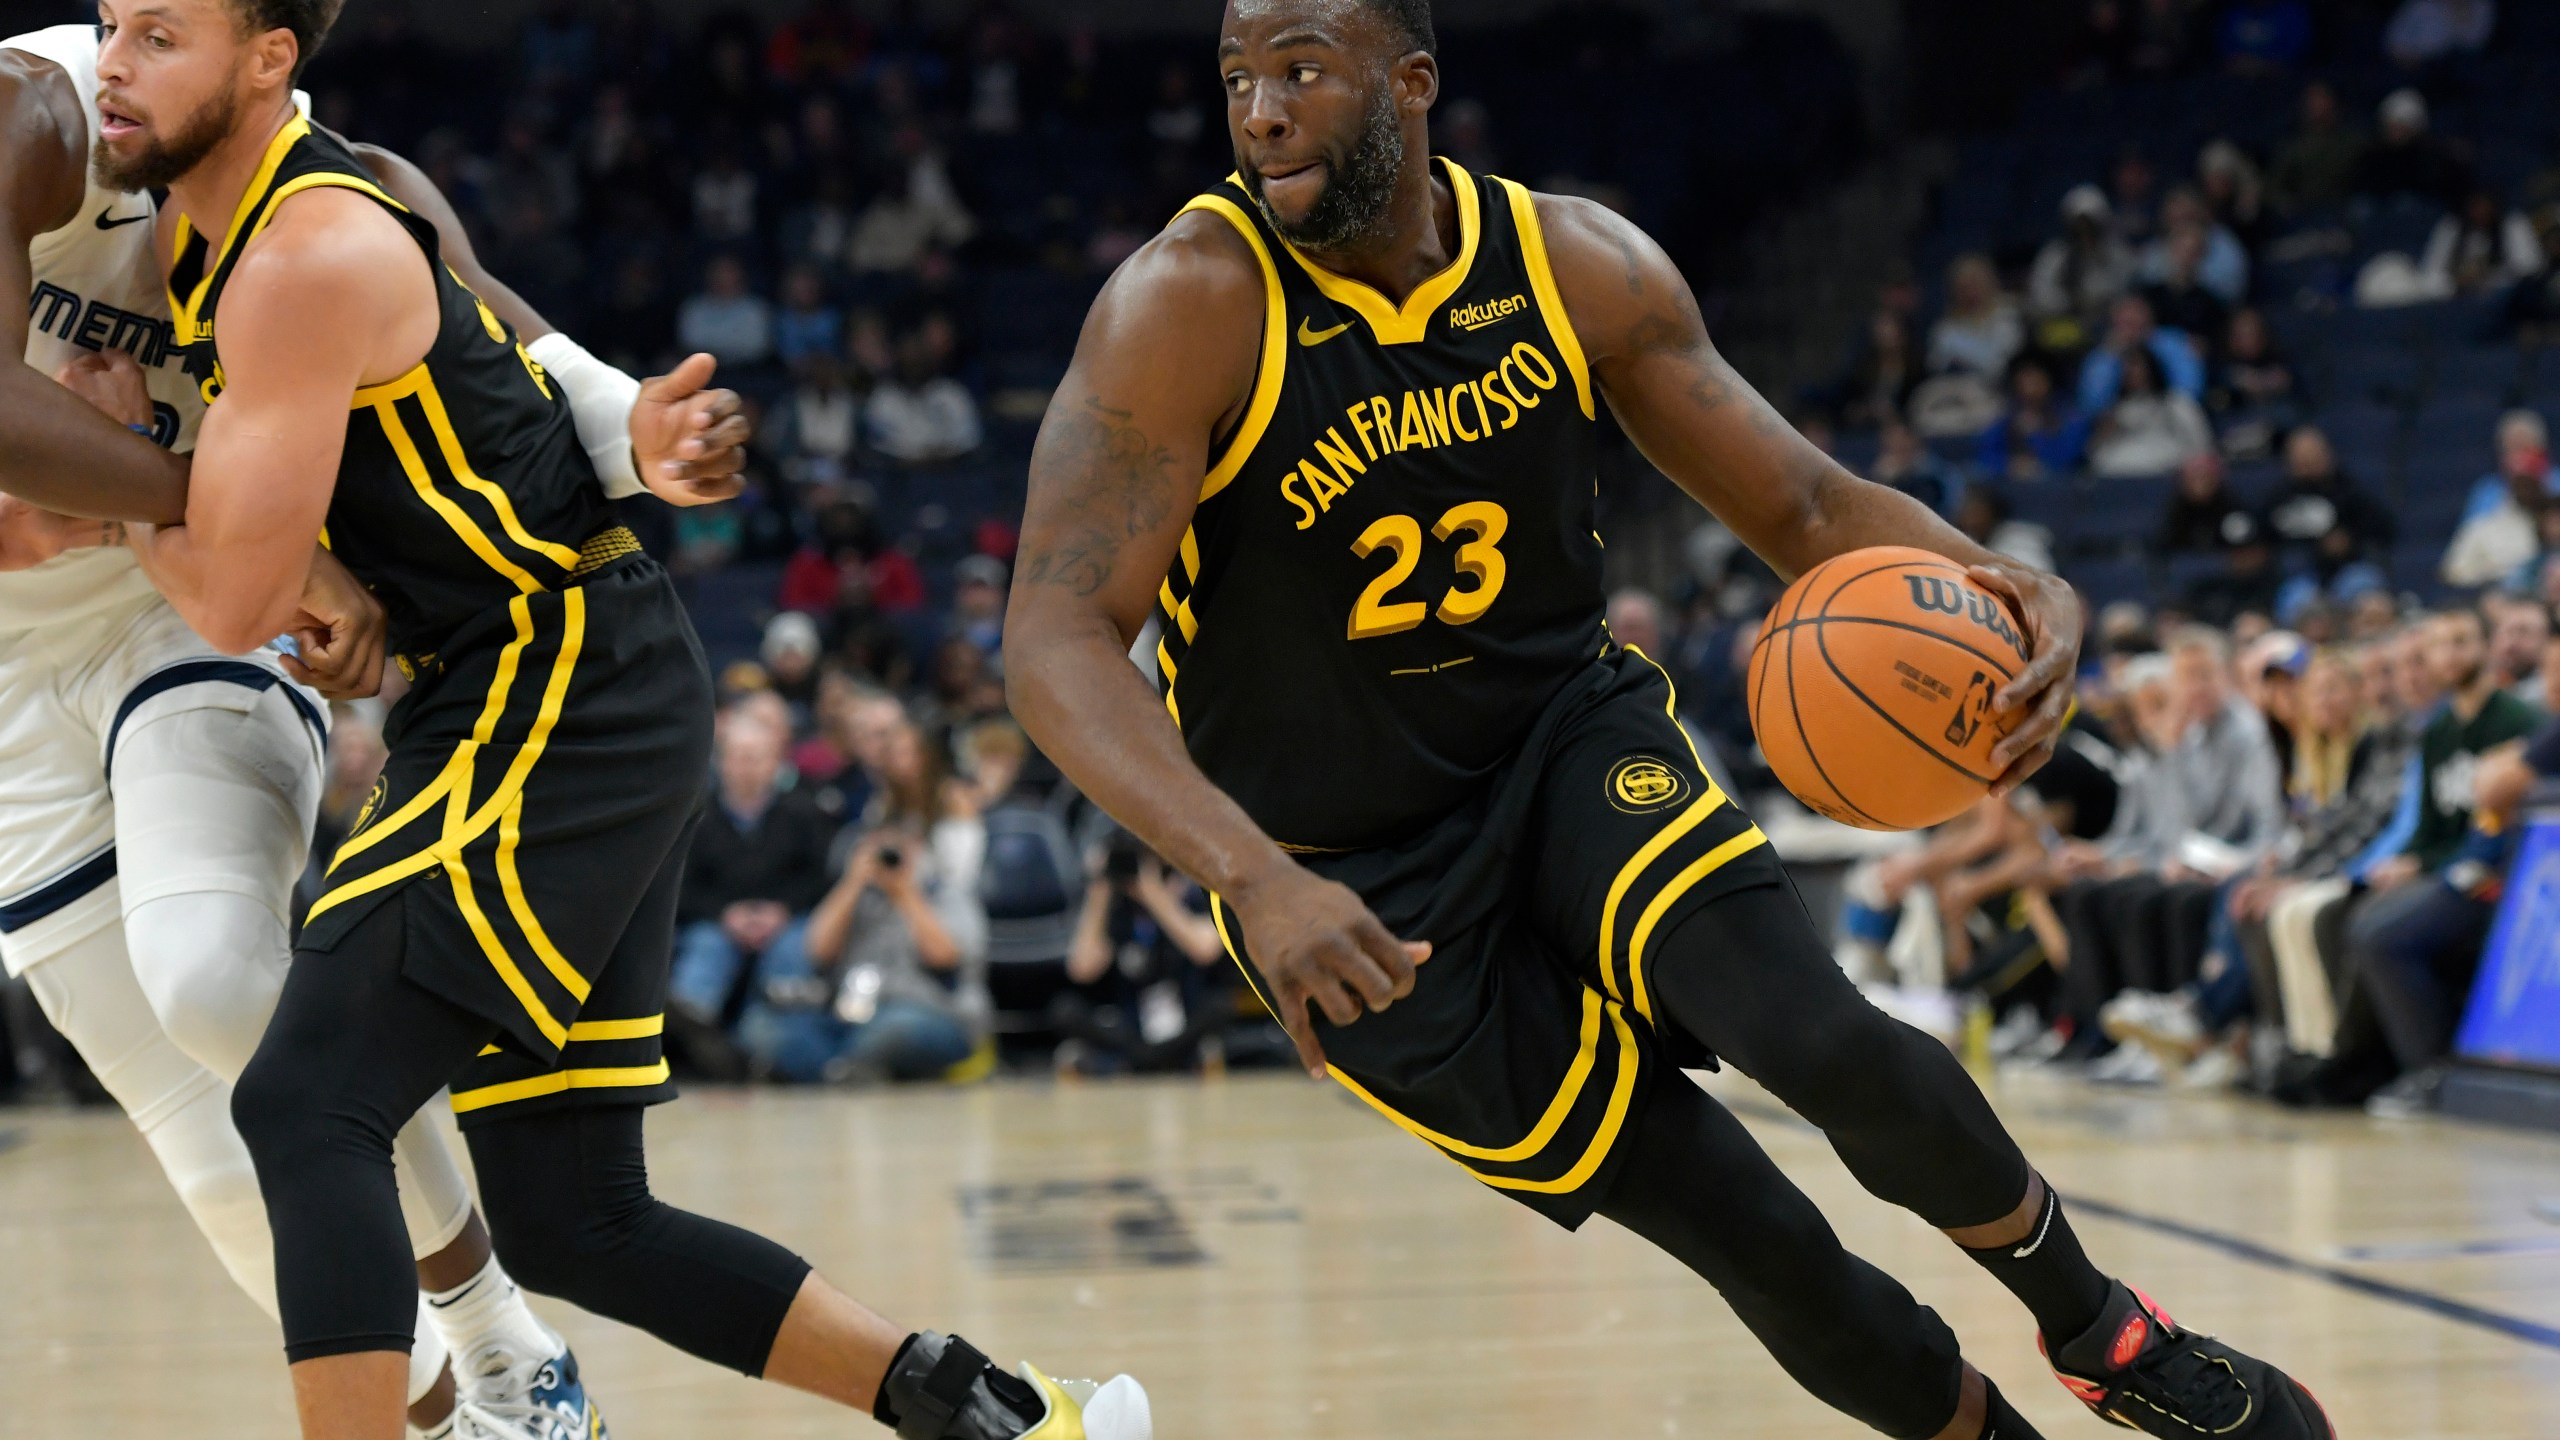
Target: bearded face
1360	182
153	155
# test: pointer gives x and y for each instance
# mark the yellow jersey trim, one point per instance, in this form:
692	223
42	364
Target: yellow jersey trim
1542	283
558	1082
1275	348
185	310
1408	323
589	1031
1697	870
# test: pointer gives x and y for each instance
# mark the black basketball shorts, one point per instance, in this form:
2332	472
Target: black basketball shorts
543	777
1532	1036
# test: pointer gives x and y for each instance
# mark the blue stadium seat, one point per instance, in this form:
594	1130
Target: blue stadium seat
2103	582
2366	437
2493	372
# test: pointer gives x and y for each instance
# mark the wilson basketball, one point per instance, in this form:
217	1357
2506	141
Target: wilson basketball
1871	687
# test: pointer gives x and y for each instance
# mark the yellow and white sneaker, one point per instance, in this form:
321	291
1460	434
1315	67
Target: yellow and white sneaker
941	1387
1081	1410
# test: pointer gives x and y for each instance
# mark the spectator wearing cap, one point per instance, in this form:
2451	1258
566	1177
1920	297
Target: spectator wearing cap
790	652
2500	533
2131	326
2079	272
2423	32
2409	160
2316	166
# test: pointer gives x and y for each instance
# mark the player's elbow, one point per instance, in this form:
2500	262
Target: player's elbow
238	622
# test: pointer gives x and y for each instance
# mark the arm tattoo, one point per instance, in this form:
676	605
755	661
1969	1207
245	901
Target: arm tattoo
1111	488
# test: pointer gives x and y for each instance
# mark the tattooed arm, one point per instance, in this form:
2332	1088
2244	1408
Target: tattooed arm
1705	427
1165	363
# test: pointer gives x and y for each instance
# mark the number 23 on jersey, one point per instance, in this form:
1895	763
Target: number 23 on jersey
1480	567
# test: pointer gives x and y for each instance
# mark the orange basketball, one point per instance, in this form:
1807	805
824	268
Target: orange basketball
1871	687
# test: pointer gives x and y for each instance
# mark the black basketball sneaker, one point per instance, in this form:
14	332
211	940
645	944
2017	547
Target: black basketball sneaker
2139	1369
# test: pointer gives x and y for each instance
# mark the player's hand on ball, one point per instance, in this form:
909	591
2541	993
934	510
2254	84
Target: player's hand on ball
2039	699
111	381
689	442
340	633
1316	943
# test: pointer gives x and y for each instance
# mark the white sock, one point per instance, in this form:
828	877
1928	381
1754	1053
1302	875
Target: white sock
485	1313
443	1429
426	1355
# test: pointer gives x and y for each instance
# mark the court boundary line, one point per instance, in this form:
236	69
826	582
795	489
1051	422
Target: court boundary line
2443	1307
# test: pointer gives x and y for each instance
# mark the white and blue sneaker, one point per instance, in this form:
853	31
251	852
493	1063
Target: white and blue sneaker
539	1399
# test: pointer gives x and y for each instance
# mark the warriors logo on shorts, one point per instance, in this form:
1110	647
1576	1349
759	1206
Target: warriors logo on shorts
1640	783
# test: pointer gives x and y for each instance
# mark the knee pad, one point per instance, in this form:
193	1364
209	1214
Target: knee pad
212	964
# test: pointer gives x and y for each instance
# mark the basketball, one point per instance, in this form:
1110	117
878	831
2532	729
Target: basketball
1871	687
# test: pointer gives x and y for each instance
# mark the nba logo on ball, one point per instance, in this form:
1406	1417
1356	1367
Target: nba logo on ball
1640	783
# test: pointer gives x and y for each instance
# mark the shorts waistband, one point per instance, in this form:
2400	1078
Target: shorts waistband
601	552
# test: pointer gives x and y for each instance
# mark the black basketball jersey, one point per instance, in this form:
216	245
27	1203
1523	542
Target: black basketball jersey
1393	568
463	483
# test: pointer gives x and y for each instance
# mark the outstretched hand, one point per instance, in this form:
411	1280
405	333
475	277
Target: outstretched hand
689	442
1315	942
2039	697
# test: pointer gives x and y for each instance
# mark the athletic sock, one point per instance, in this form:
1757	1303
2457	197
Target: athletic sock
2001	1421
487	1314
426	1355
2050	1274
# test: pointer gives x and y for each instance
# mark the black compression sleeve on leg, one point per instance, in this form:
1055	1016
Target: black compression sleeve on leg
1698	1186
353	1051
2050	1274
567	1197
1748	975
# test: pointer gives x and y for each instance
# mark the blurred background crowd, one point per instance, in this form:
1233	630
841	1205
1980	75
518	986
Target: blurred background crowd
2233	311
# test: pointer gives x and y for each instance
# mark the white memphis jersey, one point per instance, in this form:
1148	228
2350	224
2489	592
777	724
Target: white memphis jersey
98	286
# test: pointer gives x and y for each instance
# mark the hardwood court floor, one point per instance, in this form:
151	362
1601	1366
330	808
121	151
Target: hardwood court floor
1275	1262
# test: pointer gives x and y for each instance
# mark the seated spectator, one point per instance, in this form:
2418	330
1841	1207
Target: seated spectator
817	425
2234	192
1881	375
890	982
2132	326
2425	31
2500	534
2151	429
2041	437
1983	517
2177	294
724	198
916	210
1151	986
921	415
2485	248
2250	388
2218	263
1981	330
2409	160
807	327
2321	513
727	319
790	652
2260	35
1635	622
757	865
1911	467
2204	517
2317	165
2519	635
2078	273
977	602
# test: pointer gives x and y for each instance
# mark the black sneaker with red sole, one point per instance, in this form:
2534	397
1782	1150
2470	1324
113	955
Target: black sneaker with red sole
2139	1369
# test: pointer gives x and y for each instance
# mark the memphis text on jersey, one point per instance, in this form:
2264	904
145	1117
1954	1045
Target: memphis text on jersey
98	326
1379	428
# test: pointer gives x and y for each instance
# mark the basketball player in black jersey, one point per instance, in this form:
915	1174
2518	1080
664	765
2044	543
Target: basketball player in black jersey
1333	433
501	917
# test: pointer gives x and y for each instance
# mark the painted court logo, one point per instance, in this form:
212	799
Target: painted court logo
1641	783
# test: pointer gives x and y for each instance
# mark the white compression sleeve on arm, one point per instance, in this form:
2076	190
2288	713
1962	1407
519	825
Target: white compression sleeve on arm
600	397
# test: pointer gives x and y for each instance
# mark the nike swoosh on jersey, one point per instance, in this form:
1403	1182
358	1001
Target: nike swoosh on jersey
110	222
1311	337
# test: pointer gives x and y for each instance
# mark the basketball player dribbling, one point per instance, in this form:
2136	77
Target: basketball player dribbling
1437	804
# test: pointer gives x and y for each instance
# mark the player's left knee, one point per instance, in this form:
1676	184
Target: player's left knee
212	965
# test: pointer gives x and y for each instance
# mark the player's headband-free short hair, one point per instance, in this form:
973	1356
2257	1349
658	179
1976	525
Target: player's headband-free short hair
1412	19
309	20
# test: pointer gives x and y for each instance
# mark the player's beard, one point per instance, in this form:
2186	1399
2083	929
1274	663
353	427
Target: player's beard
1357	193
167	156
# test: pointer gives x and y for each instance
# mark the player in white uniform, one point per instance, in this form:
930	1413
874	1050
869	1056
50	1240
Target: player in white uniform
156	797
